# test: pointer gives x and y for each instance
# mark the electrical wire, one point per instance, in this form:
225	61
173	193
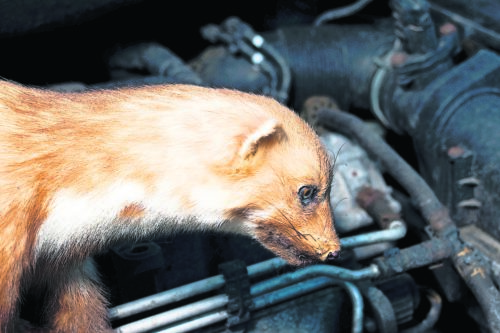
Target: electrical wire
341	12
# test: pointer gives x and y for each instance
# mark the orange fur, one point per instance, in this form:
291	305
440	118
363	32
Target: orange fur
75	168
132	211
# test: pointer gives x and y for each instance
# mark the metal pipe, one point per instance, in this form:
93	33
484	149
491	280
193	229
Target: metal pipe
309	272
288	292
177	314
173	295
396	230
264	267
278	296
371	251
488	297
311	285
357	306
261	288
197	323
268	299
338	273
473	269
166	297
188	290
419	255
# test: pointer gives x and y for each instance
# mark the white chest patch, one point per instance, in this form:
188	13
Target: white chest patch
92	219
73	215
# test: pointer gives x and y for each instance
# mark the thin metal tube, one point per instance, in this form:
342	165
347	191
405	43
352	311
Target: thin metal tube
311	285
289	285
166	297
278	296
357	306
216	282
371	251
174	315
264	267
290	292
188	290
340	273
197	323
396	230
337	273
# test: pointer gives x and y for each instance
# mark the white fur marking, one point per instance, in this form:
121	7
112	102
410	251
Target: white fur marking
72	215
93	216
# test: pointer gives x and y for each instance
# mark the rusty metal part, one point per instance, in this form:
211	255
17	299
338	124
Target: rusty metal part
480	240
375	203
311	107
474	271
397	261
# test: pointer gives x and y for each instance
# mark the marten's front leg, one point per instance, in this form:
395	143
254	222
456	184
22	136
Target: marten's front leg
14	265
79	304
11	271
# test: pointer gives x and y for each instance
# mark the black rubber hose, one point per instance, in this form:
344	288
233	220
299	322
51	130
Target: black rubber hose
333	60
425	199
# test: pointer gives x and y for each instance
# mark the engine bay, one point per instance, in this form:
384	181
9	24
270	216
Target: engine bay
405	95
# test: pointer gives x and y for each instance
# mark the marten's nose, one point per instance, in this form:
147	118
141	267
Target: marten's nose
327	249
332	255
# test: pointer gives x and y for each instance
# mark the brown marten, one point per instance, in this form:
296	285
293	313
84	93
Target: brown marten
80	172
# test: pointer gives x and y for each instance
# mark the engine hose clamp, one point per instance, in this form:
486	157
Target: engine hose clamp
237	288
375	91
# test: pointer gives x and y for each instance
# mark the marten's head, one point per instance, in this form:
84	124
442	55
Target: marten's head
250	165
281	176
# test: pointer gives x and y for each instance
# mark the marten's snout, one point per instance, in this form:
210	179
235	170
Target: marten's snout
331	256
323	239
327	251
320	256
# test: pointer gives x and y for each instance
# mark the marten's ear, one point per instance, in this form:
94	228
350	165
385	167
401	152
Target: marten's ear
266	131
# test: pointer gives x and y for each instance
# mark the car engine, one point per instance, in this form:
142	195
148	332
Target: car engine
405	94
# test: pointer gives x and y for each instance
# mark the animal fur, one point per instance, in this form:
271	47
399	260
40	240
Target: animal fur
80	172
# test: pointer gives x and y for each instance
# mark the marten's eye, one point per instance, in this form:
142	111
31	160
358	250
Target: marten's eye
307	194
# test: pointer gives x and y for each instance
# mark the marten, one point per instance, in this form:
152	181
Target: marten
81	172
